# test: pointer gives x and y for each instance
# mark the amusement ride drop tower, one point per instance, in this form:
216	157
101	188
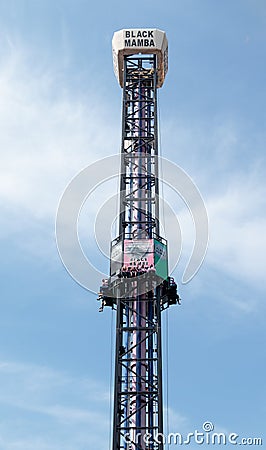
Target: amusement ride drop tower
139	286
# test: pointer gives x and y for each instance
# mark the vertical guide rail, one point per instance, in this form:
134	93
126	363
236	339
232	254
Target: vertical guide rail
138	415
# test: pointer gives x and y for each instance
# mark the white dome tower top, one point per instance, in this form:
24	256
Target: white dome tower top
140	40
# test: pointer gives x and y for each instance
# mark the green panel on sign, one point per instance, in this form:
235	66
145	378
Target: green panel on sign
160	259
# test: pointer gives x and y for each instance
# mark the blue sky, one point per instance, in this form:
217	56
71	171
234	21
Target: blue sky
60	111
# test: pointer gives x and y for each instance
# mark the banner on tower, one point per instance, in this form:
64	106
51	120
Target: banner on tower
138	251
160	259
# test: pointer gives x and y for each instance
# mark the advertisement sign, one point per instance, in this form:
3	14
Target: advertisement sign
138	251
160	259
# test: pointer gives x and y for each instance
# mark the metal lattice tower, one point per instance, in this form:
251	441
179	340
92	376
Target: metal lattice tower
139	286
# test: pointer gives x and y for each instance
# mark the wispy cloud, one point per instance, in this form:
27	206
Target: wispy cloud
238	222
49	132
50	129
227	163
43	398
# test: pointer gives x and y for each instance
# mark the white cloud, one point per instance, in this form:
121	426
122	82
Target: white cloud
50	129
177	421
48	133
237	231
226	160
237	240
42	400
